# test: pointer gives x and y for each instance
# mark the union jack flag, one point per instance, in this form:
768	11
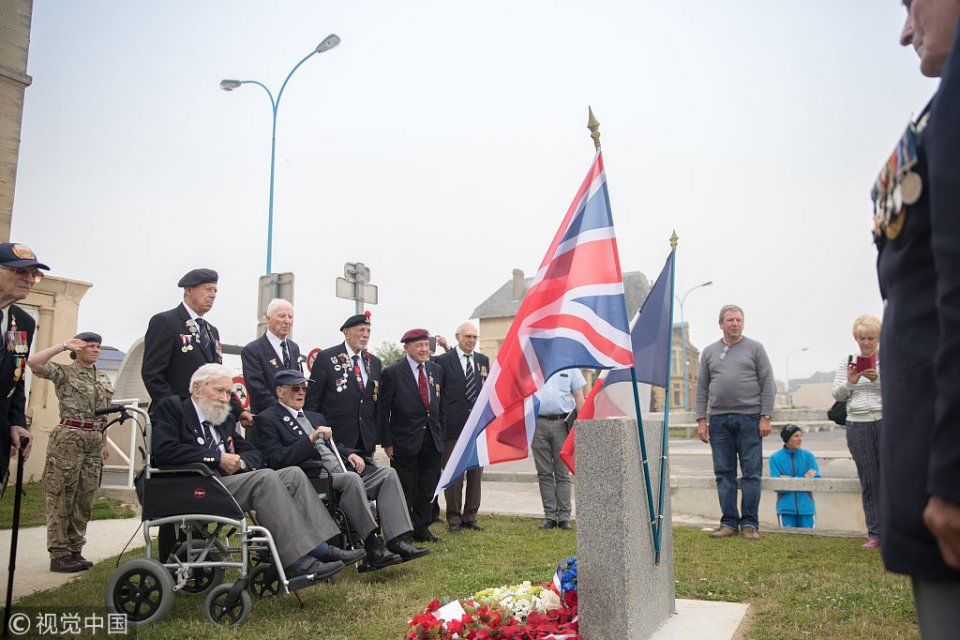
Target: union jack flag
573	315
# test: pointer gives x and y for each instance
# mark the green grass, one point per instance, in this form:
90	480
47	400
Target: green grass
33	511
800	586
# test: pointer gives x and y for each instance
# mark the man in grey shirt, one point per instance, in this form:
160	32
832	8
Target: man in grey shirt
736	382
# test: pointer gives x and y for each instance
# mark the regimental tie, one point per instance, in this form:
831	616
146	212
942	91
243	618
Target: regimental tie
285	354
422	381
205	340
472	386
208	435
356	371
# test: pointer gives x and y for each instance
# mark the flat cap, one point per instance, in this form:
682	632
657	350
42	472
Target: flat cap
196	277
289	376
356	321
415	334
16	256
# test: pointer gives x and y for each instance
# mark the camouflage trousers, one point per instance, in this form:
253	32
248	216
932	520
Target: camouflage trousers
70	480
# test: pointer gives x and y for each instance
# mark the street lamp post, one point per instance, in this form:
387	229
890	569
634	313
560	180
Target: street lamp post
791	354
229	85
684	338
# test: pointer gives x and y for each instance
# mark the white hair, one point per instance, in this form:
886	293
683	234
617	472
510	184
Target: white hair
275	304
208	372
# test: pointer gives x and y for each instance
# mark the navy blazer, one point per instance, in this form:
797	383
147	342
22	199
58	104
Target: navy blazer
260	364
920	347
350	411
166	367
283	442
178	437
13	400
403	418
456	407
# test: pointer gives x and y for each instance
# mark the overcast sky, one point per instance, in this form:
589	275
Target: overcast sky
441	144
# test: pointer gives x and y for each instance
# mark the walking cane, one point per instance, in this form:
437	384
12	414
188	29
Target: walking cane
14	532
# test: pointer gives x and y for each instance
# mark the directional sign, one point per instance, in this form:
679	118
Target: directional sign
347	289
240	390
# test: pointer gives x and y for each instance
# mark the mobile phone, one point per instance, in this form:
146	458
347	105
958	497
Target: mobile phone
433	344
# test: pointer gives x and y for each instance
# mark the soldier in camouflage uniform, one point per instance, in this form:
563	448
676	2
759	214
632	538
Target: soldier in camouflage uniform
76	449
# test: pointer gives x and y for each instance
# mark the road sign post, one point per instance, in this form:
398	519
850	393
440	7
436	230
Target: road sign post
355	285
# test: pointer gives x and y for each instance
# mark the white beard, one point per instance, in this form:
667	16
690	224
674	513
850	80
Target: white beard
213	411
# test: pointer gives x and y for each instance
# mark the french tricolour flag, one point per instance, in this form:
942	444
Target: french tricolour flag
573	315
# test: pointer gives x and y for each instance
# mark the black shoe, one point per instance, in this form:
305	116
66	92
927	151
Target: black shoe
472	525
424	535
65	564
377	557
86	564
406	550
453	528
346	556
565	525
548	523
436	520
320	570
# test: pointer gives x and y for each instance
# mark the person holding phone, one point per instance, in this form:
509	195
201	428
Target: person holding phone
858	384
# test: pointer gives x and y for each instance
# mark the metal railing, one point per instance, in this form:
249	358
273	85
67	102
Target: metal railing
129	456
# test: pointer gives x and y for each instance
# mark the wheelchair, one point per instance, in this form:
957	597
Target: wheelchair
193	499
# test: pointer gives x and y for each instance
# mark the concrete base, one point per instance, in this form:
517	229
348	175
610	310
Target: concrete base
703	620
622	593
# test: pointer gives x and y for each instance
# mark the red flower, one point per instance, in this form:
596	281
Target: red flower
434	605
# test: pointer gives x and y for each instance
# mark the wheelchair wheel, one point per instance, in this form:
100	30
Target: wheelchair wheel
220	610
342	539
264	582
200	580
142	589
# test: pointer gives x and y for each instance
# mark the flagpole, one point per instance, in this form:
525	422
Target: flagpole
666	400
594	126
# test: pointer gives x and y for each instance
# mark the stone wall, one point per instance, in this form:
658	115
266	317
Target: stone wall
15	17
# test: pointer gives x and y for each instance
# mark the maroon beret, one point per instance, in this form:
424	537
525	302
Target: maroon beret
415	334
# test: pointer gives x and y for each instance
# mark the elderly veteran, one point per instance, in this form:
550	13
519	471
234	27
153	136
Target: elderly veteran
76	449
411	426
19	272
201	429
269	354
289	436
345	386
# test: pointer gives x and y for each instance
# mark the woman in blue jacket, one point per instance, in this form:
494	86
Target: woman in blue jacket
794	508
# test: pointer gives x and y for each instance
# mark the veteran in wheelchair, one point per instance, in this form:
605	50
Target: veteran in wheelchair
200	472
287	435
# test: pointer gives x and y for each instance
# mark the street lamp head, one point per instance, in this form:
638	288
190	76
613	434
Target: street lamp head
328	43
229	85
707	283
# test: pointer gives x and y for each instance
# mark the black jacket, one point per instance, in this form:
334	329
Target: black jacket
283	442
166	367
403	419
350	412
260	363
920	347
13	400
177	436
456	407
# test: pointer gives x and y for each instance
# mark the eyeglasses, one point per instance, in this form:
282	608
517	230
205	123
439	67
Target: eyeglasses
298	387
723	353
31	272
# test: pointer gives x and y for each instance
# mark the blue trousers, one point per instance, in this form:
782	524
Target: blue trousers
733	436
797	521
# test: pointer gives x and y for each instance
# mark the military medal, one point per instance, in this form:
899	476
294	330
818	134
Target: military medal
911	186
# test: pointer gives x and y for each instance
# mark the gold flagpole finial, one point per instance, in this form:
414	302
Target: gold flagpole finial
673	240
594	127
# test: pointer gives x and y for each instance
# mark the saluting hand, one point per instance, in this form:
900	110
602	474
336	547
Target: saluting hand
73	344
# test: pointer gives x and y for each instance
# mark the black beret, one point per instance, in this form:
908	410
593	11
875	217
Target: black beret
356	321
289	376
415	334
17	256
787	432
89	336
196	277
